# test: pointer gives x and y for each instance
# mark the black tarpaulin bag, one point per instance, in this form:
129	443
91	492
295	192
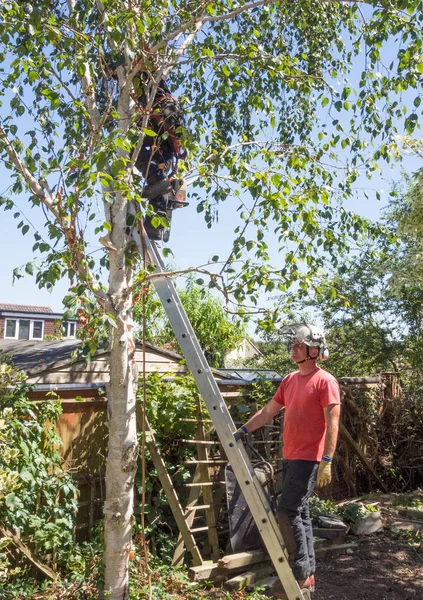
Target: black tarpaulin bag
243	531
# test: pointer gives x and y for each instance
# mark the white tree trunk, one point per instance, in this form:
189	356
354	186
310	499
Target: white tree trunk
123	445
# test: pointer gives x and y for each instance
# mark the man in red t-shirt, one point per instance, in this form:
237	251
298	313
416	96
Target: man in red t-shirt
311	398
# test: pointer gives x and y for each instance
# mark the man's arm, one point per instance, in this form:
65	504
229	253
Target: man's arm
263	416
332	414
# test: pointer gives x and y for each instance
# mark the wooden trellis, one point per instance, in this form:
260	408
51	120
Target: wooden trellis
199	508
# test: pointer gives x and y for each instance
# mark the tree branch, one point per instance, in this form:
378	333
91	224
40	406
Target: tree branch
183	47
38	188
199	21
213	277
41	189
87	86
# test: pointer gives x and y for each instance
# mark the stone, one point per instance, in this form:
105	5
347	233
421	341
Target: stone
371	522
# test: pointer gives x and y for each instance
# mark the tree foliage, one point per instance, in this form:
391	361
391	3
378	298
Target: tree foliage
269	126
36	496
217	332
374	324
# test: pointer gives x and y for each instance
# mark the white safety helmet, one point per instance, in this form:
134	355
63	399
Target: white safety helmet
309	335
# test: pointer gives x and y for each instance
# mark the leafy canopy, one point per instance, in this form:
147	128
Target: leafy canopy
287	104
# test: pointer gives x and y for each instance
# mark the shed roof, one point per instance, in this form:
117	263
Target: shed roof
34	356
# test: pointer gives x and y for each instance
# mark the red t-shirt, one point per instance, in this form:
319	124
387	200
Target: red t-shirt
304	398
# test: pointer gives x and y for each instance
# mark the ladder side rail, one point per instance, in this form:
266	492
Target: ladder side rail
219	413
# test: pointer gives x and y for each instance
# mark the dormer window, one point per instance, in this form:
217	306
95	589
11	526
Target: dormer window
69	328
24	329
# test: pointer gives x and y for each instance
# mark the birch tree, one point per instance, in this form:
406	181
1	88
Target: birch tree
273	124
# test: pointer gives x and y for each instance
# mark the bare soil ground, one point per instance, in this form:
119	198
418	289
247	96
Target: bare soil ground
385	566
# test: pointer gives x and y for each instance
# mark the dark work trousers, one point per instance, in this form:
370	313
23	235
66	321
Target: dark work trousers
298	482
155	164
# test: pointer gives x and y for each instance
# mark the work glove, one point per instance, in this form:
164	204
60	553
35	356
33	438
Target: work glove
241	434
324	474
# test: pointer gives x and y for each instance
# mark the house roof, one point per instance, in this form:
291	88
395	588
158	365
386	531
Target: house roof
26	308
252	344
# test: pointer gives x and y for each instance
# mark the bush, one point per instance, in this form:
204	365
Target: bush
37	498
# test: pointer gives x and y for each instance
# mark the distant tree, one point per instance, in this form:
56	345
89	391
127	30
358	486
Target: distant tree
275	351
217	331
375	320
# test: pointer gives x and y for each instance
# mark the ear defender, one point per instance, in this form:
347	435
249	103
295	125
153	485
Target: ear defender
323	353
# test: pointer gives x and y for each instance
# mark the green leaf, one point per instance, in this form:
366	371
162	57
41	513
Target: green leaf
149	132
410	123
123	144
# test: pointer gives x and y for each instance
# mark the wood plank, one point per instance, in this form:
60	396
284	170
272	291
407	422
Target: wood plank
195	421
412	513
205	484
336	549
242	559
23	549
406	525
200	507
206	462
201	442
200	529
248	578
208	570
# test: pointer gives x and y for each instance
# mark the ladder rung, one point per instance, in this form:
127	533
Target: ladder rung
195	420
198	529
205	484
206	462
190	509
201	442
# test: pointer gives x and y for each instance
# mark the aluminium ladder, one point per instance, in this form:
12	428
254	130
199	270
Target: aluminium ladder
219	413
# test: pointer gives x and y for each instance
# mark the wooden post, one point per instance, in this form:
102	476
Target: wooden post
91	508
